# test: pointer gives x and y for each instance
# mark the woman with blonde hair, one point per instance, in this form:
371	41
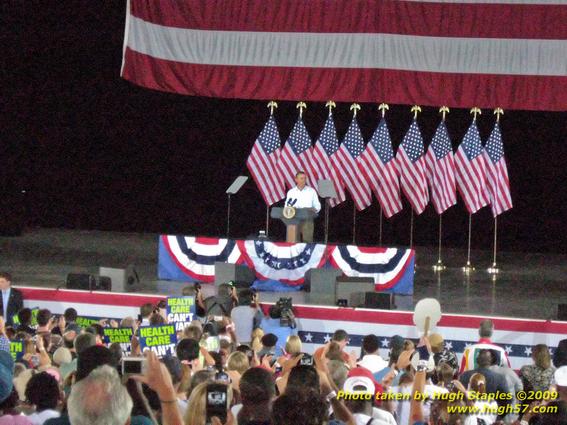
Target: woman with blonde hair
256	343
237	364
487	408
293	345
537	377
292	348
197	405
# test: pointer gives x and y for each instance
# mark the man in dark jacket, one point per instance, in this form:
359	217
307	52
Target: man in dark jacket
495	383
11	300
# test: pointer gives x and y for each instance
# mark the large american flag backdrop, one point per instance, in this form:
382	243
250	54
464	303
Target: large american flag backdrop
460	53
316	324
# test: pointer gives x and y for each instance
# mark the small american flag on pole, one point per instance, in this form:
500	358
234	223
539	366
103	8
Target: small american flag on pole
441	170
411	166
497	173
325	161
262	163
297	155
379	168
470	170
349	171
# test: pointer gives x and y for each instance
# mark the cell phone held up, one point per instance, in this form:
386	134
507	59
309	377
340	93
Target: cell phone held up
217	402
133	366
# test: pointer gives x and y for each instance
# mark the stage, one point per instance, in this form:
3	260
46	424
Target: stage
528	286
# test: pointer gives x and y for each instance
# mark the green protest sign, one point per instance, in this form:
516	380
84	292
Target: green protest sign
85	322
17	350
123	336
33	323
160	339
180	309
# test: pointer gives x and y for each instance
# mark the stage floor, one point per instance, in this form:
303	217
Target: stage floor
528	285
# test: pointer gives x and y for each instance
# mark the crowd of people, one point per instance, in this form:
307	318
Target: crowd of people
259	373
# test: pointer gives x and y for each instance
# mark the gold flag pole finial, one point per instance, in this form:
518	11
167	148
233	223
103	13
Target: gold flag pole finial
272	105
383	107
443	110
301	106
355	107
498	112
475	111
416	109
330	104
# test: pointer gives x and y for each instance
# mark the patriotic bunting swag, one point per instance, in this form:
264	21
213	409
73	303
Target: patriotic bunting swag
188	259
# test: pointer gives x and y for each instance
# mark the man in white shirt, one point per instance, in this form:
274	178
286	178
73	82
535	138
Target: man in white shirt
303	196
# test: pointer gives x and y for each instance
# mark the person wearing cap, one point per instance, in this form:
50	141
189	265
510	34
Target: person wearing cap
441	354
360	381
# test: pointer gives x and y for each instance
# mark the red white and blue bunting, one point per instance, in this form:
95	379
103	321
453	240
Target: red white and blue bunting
286	263
196	257
192	258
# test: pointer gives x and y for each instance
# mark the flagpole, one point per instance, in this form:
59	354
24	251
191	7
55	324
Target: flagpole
354	108
439	266
415	109
444	110
469	268
411	230
383	107
327	221
494	268
354	224
267	220
330	104
380	238
271	105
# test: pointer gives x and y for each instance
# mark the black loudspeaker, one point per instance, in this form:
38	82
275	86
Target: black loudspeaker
88	282
104	284
562	312
81	281
378	300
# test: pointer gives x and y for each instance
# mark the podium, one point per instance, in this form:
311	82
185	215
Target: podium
292	224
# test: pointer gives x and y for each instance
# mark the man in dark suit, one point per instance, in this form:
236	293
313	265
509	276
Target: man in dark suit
495	383
11	300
